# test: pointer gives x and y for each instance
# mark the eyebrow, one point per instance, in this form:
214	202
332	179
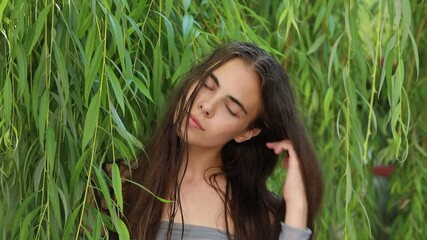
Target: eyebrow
235	100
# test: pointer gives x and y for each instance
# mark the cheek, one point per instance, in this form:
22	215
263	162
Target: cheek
231	128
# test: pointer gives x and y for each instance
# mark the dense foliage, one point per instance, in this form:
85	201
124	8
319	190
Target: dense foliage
83	82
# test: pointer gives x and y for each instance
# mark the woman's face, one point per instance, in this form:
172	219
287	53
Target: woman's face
225	106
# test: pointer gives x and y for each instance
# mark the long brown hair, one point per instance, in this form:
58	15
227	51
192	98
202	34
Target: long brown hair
255	212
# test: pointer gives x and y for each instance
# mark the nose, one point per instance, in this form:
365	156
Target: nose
207	107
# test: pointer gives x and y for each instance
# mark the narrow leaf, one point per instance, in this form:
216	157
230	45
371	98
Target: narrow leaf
187	25
117	34
332	57
157	73
416	56
51	147
71	222
3	4
91	121
142	87
327	101
121	129
122	230
91	70
115	85
62	73
76	173
163	200
106	195
7	99
41	20
316	44
117	185
43	116
27	224
54	203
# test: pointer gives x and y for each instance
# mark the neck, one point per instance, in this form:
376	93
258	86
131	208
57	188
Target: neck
202	162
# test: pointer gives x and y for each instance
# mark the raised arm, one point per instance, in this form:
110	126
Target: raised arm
295	221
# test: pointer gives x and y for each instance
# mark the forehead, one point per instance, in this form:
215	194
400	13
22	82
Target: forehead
238	79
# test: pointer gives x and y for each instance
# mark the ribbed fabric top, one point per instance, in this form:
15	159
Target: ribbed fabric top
191	232
194	232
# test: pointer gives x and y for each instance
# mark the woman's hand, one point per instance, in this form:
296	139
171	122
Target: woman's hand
293	189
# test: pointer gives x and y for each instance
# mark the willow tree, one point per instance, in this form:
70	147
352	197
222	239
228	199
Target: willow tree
83	82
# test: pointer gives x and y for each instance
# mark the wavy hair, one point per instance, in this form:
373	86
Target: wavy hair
254	211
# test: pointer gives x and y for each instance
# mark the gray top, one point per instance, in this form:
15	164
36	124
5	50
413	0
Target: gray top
194	232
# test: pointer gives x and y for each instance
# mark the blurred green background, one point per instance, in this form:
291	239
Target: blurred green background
84	81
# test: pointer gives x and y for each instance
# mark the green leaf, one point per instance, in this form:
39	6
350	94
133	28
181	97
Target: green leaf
332	57
186	4
96	232
92	40
117	185
115	85
117	34
51	147
168	7
7	99
121	129
327	101
135	28
71	223
283	15
347	21
62	74
2	7
395	117
41	20
142	87
17	218
54	203
416	57
91	120
187	25
22	66
123	150
91	70
157	73
76	173
316	44
122	230
390	45
147	190
27	224
38	173
106	195
43	116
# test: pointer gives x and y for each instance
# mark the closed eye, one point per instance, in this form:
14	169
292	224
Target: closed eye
208	87
212	83
230	111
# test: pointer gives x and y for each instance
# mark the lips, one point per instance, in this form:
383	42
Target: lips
193	121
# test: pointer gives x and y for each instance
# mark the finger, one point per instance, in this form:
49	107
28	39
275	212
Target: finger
275	147
279	147
271	145
292	157
287	146
277	142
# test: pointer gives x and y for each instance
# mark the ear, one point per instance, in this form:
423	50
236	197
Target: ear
248	134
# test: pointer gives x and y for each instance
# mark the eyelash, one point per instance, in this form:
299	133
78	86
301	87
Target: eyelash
231	112
206	86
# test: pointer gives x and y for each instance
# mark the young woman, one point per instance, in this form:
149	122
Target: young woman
219	140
